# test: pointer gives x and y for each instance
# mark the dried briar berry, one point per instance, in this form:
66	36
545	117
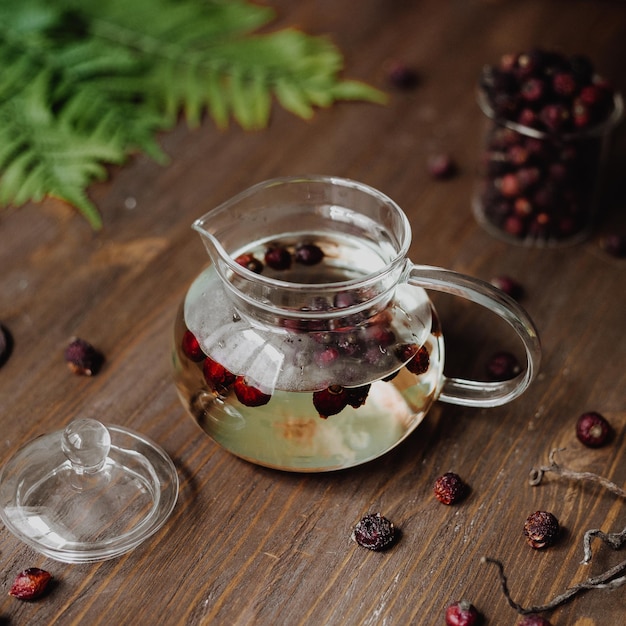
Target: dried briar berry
278	258
502	366
509	285
191	348
6	344
250	262
593	430
614	245
374	532
330	401
402	76
82	358
449	488
533	620
249	395
441	166
462	613
541	529
218	377
30	584
308	254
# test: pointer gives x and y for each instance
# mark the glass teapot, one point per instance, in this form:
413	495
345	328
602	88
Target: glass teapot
309	343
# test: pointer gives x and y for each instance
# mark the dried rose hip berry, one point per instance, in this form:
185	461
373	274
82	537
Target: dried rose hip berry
278	258
308	254
509	285
615	245
593	430
6	345
249	395
30	584
418	357
330	401
441	166
533	620
250	262
216	375
356	396
82	358
503	366
541	529
402	76
462	613
374	532
449	488
191	347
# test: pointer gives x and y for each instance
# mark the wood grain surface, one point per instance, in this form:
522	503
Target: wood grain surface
248	545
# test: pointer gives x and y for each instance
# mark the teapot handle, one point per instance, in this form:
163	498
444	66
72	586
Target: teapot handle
471	392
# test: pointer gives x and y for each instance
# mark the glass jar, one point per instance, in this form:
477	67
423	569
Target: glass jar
539	188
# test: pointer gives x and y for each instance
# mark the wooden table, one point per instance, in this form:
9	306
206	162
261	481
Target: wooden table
248	545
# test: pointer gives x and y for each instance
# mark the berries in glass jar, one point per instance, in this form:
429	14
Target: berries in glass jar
249	395
191	348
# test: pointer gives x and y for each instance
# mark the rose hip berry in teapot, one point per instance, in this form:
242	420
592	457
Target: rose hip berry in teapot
321	347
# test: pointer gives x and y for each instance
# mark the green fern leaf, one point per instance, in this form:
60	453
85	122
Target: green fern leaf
88	82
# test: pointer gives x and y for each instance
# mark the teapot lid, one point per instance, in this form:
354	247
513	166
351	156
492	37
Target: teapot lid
87	493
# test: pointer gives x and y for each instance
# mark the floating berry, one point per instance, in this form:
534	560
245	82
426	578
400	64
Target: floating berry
503	366
250	262
82	358
326	357
30	584
330	401
249	395
450	488
357	395
593	430
217	376
278	258
374	532
462	613
308	254
191	347
419	362
541	529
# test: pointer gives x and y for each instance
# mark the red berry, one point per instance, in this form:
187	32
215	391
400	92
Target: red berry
308	254
330	401
249	395
509	285
441	166
462	613
450	488
533	620
251	262
217	375
402	76
503	366
374	532
82	358
419	358
30	584
357	395
278	258
593	430
541	529
191	347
